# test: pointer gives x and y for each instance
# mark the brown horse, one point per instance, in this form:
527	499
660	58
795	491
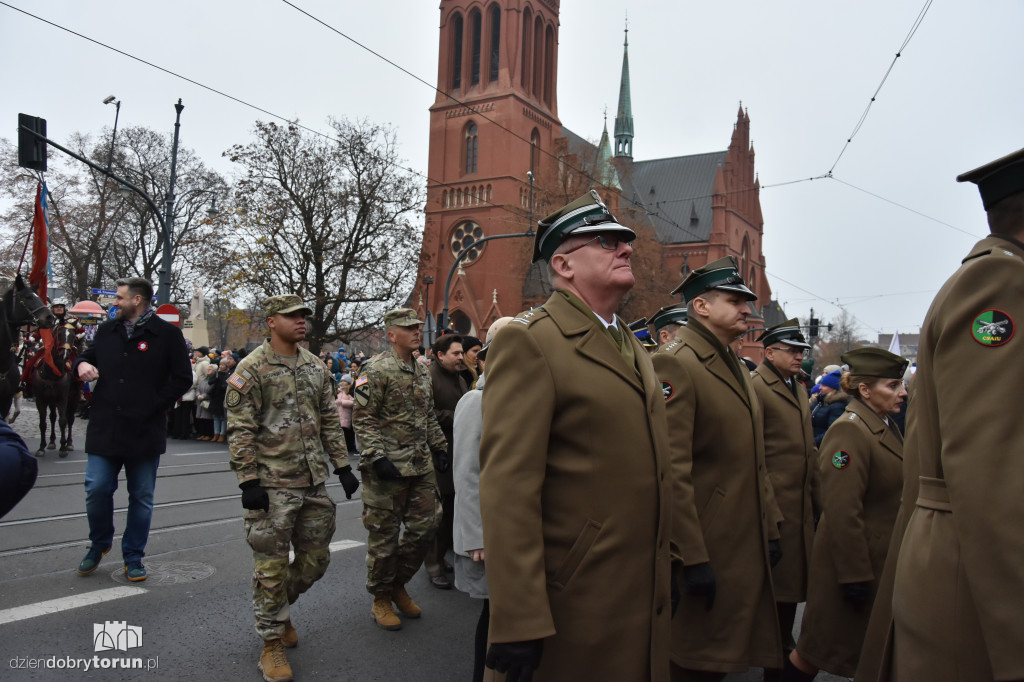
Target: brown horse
20	305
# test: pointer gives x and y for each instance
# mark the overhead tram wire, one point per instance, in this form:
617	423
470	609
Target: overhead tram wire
899	53
906	208
240	101
833	303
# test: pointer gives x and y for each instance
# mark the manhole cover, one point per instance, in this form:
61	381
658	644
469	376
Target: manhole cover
163	573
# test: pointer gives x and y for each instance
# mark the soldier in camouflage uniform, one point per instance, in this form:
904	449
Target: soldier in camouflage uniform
281	419
398	432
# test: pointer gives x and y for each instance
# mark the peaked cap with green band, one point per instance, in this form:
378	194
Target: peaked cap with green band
787	332
670	314
722	274
999	179
875	362
586	214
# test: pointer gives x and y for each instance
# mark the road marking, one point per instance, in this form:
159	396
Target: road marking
122	478
334	547
116	539
44	608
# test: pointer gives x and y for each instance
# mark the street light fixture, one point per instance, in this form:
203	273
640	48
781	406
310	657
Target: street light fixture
113	136
212	212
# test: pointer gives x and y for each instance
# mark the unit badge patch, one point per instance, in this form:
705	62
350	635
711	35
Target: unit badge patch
233	399
992	328
361	392
666	390
841	460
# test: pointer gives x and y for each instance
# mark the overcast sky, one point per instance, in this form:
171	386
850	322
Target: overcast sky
804	69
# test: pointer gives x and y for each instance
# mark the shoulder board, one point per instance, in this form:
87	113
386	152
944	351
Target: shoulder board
853	416
530	316
672	346
241	381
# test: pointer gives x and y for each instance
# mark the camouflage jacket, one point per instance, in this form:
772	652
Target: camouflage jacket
282	420
394	415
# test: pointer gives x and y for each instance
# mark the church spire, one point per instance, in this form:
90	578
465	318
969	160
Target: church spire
624	117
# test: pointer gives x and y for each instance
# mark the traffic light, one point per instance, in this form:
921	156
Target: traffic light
31	149
814	327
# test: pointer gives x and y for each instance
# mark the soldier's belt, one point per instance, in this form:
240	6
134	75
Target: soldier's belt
933	494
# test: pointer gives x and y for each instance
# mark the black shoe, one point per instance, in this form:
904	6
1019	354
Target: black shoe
441	582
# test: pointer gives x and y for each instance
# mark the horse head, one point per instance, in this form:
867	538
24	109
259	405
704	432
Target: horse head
23	305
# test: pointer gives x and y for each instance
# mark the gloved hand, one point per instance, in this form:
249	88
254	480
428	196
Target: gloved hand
700	582
774	552
857	594
385	470
517	659
348	480
441	462
253	496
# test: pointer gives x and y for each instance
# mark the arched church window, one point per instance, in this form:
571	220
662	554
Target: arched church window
476	36
549	65
471	147
495	19
525	68
464	238
538	56
456	51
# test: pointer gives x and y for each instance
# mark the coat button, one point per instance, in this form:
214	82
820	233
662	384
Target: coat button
120	381
660	609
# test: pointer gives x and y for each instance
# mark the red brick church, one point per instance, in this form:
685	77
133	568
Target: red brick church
500	159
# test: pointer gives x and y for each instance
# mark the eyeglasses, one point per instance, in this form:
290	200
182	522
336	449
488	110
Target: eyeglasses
794	351
609	241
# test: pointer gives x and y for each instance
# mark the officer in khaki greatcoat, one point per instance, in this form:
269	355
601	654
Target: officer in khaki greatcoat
725	521
666	322
792	462
575	483
959	576
399	437
281	420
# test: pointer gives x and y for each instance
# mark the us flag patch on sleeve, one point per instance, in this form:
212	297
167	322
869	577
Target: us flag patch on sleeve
239	381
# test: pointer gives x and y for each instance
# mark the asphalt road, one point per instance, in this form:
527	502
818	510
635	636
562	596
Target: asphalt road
194	611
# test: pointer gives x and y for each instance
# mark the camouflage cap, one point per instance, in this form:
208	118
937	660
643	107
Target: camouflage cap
401	317
875	362
284	304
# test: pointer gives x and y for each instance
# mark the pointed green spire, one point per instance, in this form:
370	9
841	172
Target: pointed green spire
624	117
604	170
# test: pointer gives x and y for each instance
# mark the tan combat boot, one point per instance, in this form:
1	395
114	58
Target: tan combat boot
290	638
384	614
405	603
274	663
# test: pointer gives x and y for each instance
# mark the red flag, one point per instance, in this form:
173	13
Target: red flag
47	337
40	248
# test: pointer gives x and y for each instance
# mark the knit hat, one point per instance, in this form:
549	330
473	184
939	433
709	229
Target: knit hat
831	380
346	378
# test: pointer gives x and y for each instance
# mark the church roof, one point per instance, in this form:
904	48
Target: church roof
675	191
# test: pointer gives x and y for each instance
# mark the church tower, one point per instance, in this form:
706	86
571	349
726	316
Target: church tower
494	117
624	116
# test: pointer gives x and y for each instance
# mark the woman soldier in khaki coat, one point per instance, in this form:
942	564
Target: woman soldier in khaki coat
861	466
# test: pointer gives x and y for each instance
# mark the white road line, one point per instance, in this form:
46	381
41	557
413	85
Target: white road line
64	603
334	547
175	454
121	477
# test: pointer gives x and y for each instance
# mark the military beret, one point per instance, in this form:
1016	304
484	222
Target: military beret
401	317
585	215
284	304
999	179
875	362
787	332
722	274
670	314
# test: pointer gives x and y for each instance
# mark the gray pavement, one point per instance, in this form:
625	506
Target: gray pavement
195	609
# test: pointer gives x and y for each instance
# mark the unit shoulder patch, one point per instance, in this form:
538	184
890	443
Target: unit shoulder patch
667	390
992	328
841	459
361	391
233	398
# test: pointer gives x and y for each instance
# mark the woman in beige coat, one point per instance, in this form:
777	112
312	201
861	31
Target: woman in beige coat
861	466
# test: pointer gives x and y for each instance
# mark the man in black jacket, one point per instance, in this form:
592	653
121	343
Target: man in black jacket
140	365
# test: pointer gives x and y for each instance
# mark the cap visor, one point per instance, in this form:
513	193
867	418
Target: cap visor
601	227
795	344
739	289
292	309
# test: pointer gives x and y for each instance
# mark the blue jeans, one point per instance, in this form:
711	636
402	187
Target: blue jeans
220	426
101	482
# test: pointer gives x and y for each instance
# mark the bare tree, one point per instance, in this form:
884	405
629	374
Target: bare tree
336	221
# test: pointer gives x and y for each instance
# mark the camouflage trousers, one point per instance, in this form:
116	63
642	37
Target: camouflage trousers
299	518
393	556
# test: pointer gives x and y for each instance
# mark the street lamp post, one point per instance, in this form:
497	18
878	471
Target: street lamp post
429	326
113	136
166	262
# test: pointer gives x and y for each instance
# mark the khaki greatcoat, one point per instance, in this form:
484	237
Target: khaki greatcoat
959	584
724	508
792	462
575	495
860	496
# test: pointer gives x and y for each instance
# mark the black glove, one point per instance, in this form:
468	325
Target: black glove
253	496
441	462
348	480
517	659
700	582
857	594
384	469
774	552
